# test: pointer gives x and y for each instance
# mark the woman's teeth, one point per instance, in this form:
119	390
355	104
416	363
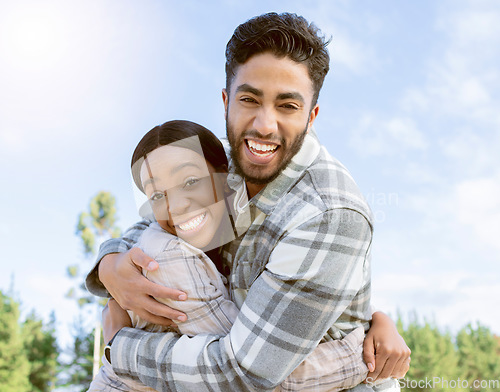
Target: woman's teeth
193	223
261	149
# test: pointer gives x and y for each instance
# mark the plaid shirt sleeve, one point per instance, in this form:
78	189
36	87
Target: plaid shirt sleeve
114	245
314	274
332	366
208	307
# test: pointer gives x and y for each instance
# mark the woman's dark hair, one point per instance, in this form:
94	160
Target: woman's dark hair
174	131
284	35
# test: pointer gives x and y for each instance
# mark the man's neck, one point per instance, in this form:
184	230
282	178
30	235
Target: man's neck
253	189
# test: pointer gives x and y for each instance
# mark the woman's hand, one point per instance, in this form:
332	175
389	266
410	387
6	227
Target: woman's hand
384	350
121	274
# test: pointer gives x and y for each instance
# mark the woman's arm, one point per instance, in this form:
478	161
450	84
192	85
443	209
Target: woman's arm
113	245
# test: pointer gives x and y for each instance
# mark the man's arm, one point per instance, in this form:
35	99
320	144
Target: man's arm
207	305
113	245
282	320
117	273
385	347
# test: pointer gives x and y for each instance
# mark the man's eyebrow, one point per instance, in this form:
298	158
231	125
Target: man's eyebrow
296	96
246	88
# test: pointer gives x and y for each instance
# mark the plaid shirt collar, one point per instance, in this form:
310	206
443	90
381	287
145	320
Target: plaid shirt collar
269	196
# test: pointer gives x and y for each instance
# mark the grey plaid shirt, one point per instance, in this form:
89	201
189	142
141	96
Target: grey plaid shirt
300	275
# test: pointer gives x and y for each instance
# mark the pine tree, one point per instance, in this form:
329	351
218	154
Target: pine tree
42	352
94	226
14	366
433	357
479	358
78	368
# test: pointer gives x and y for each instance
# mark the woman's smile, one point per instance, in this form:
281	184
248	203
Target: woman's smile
193	224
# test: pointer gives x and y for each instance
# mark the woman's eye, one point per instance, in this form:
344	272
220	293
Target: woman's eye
191	182
156	196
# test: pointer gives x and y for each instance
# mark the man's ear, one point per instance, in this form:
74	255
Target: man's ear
312	116
225	99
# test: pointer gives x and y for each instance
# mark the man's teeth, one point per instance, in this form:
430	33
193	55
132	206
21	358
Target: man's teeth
261	149
193	223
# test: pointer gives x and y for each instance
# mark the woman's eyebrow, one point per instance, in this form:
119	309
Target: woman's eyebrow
174	170
150	180
177	168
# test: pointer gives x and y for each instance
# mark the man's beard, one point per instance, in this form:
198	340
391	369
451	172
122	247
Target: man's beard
289	153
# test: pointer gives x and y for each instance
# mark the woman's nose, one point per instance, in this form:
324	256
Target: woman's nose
177	203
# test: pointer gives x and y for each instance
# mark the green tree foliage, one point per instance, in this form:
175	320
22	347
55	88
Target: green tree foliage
433	354
14	366
441	362
42	352
98	222
94	226
78	368
479	351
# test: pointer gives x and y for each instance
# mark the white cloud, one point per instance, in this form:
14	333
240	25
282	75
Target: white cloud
351	55
478	207
468	209
350	52
419	173
394	136
471	22
452	298
472	151
463	75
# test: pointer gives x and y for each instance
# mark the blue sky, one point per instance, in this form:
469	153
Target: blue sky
410	107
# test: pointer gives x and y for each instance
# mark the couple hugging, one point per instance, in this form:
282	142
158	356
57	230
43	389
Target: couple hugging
255	255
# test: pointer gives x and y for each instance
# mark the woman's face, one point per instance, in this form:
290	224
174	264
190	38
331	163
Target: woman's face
186	200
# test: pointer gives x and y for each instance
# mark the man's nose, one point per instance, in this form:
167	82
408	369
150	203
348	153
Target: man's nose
266	122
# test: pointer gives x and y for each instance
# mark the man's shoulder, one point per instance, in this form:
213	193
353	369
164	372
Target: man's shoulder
329	182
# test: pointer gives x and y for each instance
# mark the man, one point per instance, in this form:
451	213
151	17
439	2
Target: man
301	273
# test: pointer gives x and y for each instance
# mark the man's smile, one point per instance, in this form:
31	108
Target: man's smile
260	152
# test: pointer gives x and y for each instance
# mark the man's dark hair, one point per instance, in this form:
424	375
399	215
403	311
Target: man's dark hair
284	35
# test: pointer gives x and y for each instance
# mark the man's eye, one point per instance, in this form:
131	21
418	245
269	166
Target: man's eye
247	99
157	196
290	106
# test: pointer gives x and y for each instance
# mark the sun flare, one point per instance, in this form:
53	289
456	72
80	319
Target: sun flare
34	37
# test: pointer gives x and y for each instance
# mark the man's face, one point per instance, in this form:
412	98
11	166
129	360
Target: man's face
268	112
